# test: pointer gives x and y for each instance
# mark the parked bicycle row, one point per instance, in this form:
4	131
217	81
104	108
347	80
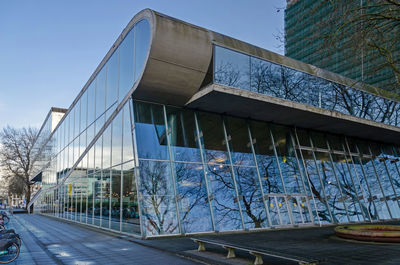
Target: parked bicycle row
10	241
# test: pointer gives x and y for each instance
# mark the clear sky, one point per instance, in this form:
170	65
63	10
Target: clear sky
49	49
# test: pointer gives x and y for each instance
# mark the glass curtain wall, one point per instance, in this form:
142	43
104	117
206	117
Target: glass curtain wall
160	170
203	172
243	71
197	172
91	109
101	186
102	191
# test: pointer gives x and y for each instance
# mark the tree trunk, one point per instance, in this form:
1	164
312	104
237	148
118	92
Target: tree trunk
27	196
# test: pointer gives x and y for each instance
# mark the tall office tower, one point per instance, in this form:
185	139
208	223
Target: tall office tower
358	39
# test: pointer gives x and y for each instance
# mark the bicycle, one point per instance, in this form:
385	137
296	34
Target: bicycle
9	250
10	234
4	217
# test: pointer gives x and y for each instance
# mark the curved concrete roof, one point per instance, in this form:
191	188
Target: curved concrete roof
181	53
179	57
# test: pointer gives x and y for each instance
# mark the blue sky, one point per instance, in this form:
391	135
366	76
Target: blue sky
49	49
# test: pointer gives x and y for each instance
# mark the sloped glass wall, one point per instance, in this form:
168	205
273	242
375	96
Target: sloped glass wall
94	106
160	170
101	187
203	172
102	190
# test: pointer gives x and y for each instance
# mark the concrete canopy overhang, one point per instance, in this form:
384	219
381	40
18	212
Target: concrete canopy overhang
179	60
247	104
179	57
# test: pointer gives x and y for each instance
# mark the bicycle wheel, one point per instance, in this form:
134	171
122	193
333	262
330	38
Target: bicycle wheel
6	220
12	252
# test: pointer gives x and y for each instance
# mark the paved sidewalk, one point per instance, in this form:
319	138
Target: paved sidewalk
316	243
48	241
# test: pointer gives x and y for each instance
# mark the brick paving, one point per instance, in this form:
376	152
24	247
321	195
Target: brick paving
49	241
315	243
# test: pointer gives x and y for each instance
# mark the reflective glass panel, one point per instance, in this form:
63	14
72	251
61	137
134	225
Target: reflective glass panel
83	117
193	199
332	188
368	198
239	142
150	131
115	198
117	140
91	92
231	68
224	199
97	198
251	200
287	160
141	46
376	192
183	136
242	71
127	147
266	159
91	195
100	92
77	118
126	63
159	207
82	143
317	188
349	193
130	208
392	163
112	79
213	139
385	180
98	153
105	199
265	77
107	147
84	199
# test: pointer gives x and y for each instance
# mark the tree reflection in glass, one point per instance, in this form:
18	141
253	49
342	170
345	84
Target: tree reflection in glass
156	187
317	188
193	199
182	135
248	185
225	204
150	131
348	188
213	139
331	188
232	69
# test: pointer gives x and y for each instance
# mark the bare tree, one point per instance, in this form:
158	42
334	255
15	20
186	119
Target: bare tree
18	157
3	187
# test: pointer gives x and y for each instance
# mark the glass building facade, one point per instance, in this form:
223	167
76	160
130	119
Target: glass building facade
247	72
309	25
151	169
